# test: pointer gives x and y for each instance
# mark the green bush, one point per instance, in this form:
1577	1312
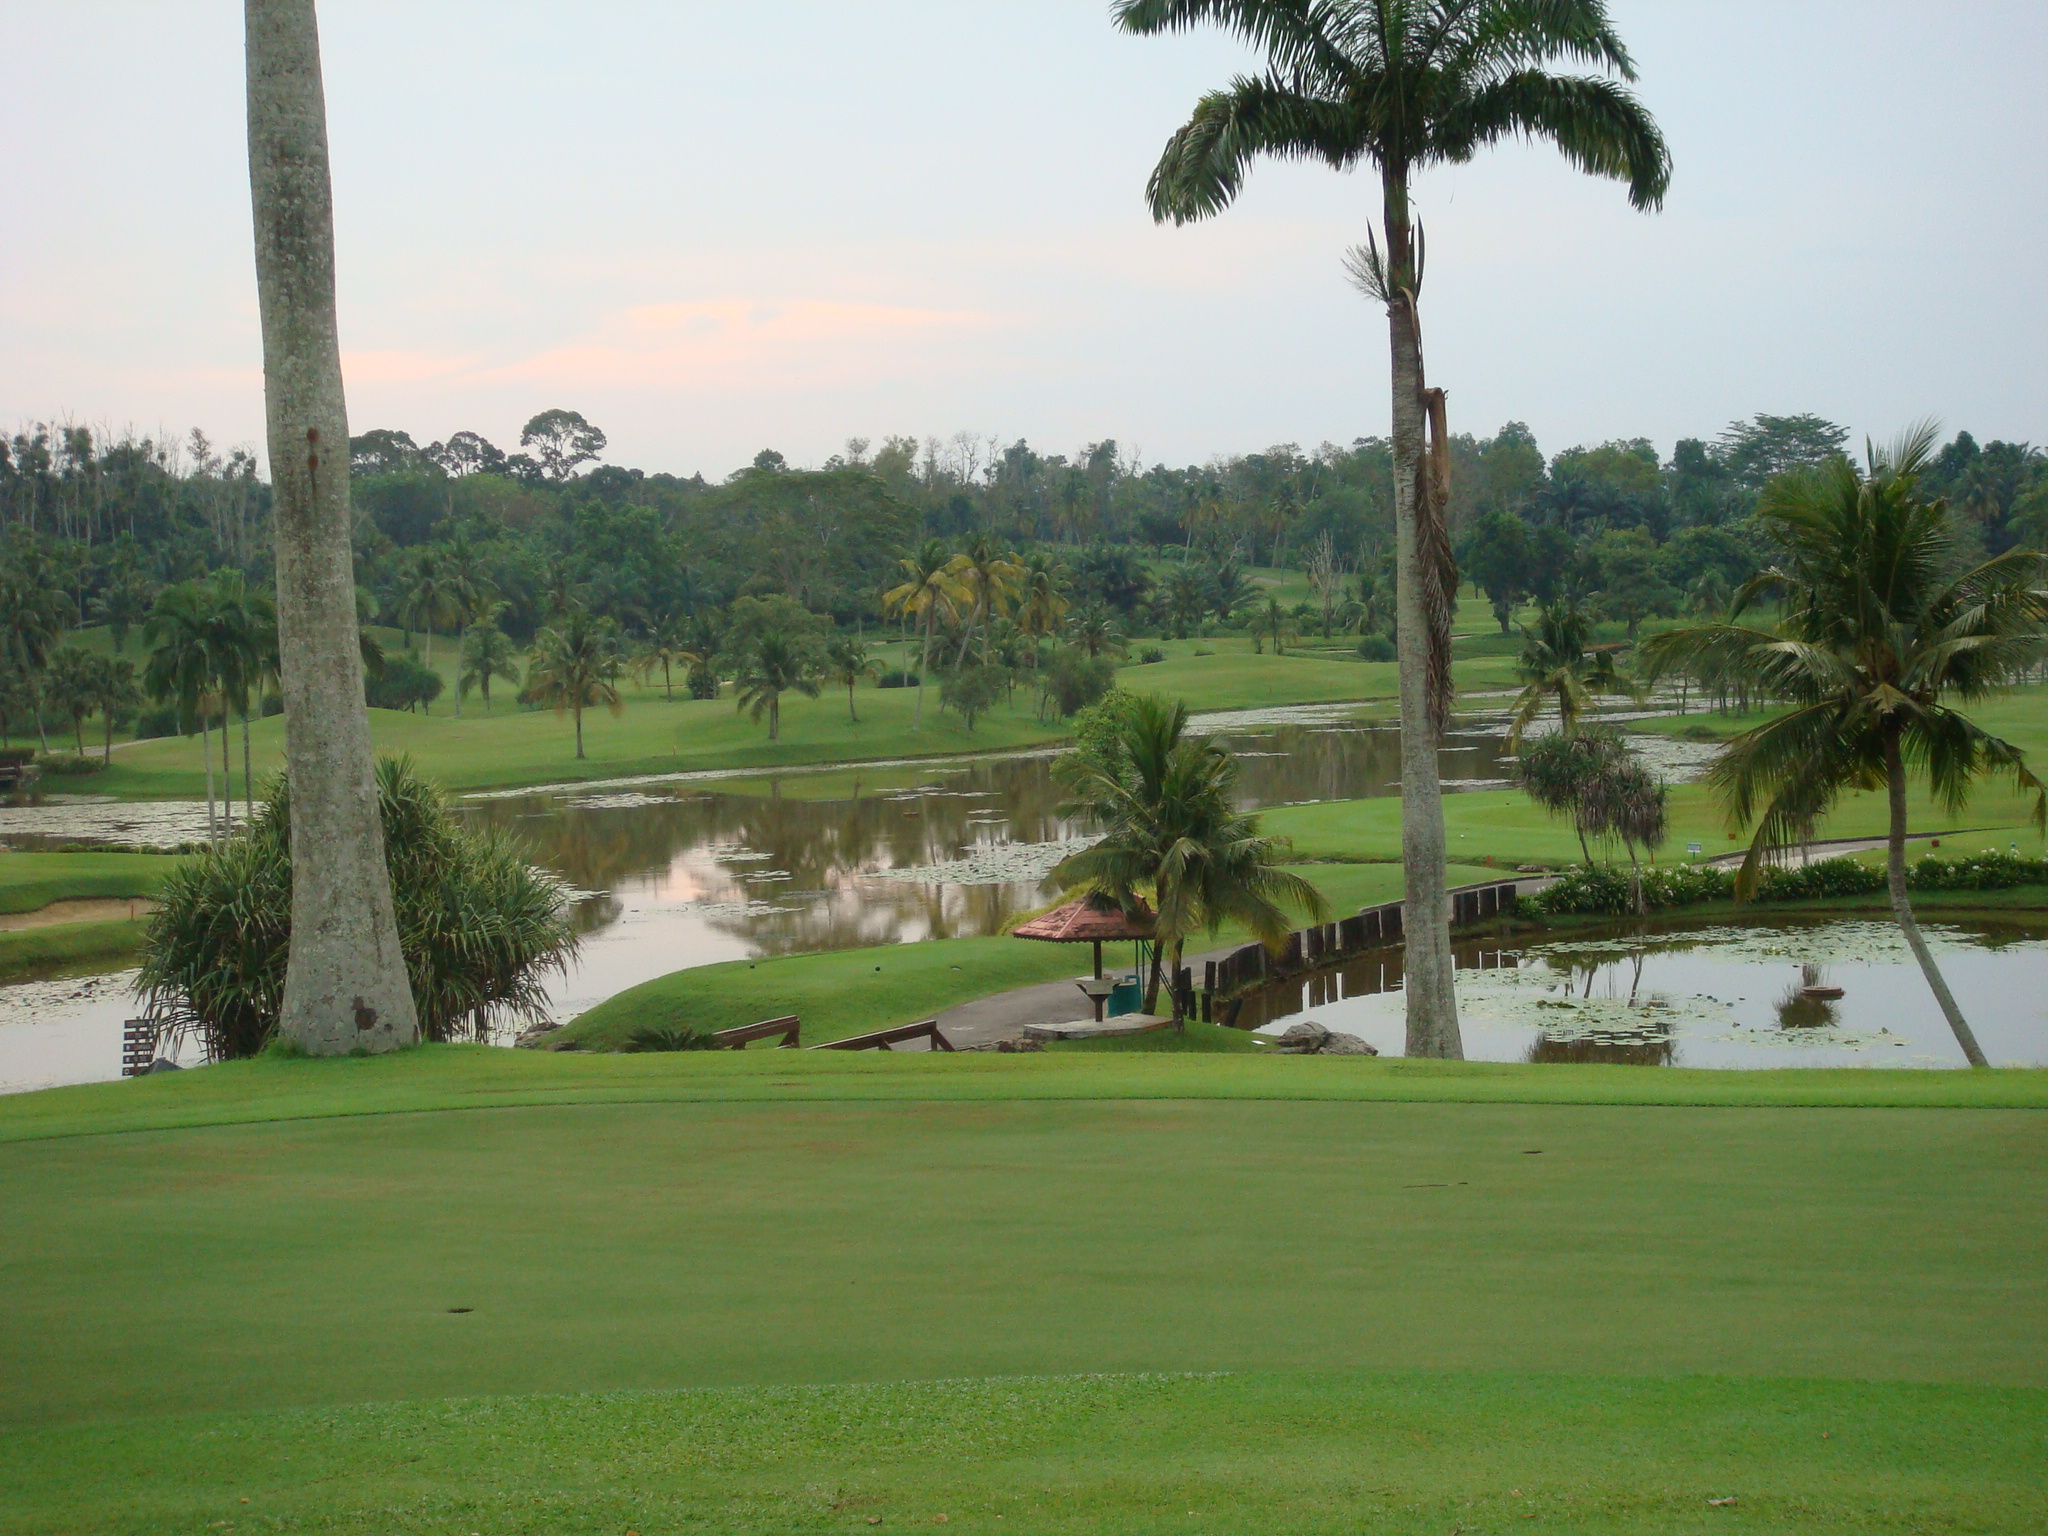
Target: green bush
1376	648
1150	654
1985	872
678	1037
479	926
897	680
1830	877
65	765
162	721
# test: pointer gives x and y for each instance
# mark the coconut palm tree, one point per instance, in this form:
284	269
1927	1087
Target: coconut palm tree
1166	805
846	662
930	588
471	590
1041	597
1558	662
991	577
575	667
773	667
345	986
663	651
182	670
1403	85
487	654
432	595
115	692
1875	644
1093	632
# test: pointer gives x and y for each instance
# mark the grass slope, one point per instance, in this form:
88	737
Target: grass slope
634	1247
63	946
30	881
1285	1454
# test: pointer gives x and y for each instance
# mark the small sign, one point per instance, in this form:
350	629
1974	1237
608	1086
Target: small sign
1693	850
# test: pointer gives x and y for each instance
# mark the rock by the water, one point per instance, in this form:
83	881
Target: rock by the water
1303	1039
163	1064
1308	1038
535	1036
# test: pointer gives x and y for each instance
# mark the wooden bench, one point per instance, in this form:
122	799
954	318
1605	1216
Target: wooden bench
889	1039
767	1029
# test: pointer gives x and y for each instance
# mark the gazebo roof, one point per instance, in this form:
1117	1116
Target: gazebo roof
1092	918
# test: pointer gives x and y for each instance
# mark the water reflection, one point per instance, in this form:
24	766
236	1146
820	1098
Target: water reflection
679	874
1815	993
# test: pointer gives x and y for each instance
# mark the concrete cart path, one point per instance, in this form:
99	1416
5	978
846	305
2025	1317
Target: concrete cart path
1004	1015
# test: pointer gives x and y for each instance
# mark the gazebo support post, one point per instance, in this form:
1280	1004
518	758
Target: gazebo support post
1098	959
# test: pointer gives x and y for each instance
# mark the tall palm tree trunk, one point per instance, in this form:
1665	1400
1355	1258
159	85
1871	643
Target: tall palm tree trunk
248	776
577	711
206	752
345	982
1431	998
1902	906
227	774
924	664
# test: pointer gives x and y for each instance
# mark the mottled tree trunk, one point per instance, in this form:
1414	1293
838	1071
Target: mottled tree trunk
1902	906
345	984
1430	996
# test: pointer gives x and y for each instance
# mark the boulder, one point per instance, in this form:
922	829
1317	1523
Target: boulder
163	1064
1303	1039
535	1037
1347	1045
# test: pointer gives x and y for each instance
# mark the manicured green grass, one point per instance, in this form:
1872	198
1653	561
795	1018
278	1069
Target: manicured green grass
445	1077
1193	1038
629	1247
1266	1454
31	881
1505	824
67	946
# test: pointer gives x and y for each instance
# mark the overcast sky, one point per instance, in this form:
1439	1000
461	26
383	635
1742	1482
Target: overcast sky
717	227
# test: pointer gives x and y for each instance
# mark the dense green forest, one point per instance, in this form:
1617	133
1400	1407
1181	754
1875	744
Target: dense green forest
1050	553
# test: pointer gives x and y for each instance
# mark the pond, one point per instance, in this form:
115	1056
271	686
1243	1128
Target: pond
1698	995
687	869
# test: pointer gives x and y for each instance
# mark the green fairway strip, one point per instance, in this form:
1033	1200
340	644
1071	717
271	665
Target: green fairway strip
628	1247
474	1077
1254	1455
61	946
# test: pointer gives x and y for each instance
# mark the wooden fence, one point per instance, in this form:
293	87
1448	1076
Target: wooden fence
1309	949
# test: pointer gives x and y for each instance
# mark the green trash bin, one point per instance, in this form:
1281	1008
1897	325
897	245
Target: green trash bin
1125	997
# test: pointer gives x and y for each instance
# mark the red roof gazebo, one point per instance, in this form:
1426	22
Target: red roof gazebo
1094	919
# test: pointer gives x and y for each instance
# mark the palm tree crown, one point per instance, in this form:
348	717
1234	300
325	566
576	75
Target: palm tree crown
774	667
1165	803
1559	661
1402	85
576	667
1876	642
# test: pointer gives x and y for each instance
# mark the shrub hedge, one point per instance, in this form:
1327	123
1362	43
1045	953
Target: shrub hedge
1606	890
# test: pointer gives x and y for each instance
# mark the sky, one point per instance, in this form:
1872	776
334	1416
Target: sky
715	228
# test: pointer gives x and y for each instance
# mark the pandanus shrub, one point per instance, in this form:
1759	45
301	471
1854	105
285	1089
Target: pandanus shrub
480	928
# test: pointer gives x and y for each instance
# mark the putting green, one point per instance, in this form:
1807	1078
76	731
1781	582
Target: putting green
632	1247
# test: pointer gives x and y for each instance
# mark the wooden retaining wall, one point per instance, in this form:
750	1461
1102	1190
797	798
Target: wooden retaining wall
1309	949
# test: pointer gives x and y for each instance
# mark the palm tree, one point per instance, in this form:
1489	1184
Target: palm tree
575	667
1874	645
242	634
115	692
346	987
1041	598
471	590
487	653
181	669
431	596
773	667
124	605
663	650
34	613
930	587
68	685
991	578
1557	662
847	661
1093	632
1166	805
1271	619
1402	85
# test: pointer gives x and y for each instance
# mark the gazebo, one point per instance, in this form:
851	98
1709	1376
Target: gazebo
1094	919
